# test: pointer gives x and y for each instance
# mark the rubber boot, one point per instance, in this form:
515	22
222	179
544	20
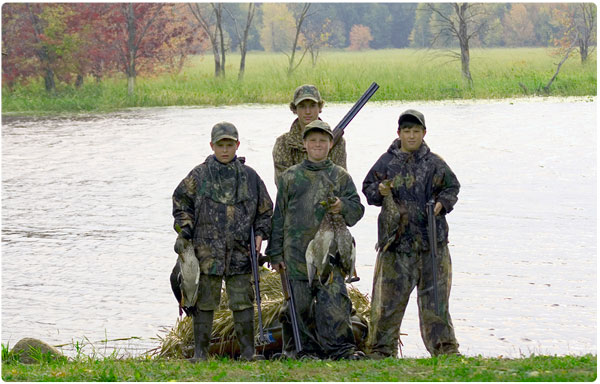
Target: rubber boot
202	329
244	329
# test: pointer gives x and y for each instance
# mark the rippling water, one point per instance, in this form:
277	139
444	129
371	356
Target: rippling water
87	228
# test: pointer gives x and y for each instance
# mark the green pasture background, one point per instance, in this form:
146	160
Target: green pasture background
342	76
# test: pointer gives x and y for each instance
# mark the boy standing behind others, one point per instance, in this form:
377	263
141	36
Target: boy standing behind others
289	148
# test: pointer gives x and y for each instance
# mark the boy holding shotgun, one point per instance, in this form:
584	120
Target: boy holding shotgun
407	258
215	208
325	330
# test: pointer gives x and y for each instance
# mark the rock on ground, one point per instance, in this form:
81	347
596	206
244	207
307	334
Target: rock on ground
29	349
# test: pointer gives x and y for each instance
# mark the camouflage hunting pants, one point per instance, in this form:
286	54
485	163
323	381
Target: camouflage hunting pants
239	288
323	313
396	275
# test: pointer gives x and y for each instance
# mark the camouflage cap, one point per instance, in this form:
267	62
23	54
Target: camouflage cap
412	115
317	125
306	92
223	130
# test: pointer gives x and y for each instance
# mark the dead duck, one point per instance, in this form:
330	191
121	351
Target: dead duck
392	220
332	237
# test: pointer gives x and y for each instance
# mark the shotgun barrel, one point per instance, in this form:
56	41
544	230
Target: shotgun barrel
262	339
288	294
432	234
338	131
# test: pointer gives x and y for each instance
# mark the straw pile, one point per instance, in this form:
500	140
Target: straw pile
178	342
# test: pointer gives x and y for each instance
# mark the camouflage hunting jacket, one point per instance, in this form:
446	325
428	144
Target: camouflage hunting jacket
289	150
298	210
220	203
416	177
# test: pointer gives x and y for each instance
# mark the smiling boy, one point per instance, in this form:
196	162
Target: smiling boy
325	332
417	175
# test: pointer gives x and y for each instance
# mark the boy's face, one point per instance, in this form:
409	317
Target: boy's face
225	149
317	145
307	111
411	138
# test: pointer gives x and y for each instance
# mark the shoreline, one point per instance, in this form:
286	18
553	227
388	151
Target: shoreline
458	102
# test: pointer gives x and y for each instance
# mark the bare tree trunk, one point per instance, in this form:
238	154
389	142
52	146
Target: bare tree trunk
49	80
244	39
463	38
131	50
212	35
587	29
571	47
299	20
42	52
219	17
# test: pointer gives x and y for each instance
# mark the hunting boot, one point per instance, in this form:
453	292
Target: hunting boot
244	329
202	330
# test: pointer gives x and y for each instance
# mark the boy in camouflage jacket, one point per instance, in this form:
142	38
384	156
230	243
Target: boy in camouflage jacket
403	262
326	331
289	149
215	206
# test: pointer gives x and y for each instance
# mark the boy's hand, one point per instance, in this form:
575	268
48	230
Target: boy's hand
258	241
336	207
438	208
278	266
384	189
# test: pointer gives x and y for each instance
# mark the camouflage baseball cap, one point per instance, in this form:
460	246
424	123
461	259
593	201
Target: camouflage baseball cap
318	125
306	92
413	116
223	130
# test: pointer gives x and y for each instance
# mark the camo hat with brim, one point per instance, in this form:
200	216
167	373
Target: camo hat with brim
306	92
412	116
224	130
317	125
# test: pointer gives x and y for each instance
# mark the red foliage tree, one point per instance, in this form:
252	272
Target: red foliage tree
67	41
360	37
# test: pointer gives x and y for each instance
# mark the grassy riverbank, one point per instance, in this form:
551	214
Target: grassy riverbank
341	77
534	368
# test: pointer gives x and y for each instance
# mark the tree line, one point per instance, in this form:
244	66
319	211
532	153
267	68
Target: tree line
69	42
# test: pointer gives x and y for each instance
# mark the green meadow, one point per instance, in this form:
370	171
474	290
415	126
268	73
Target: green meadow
342	76
445	368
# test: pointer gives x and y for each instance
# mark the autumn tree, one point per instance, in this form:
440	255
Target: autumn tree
32	39
282	30
420	36
316	37
578	26
134	35
360	37
518	27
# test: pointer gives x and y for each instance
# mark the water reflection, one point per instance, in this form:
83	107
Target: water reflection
87	236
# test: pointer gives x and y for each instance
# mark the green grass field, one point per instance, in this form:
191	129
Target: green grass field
341	76
534	368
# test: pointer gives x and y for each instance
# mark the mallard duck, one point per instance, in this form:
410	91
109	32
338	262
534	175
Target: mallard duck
393	220
332	237
190	275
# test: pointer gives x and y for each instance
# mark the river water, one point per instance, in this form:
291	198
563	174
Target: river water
87	239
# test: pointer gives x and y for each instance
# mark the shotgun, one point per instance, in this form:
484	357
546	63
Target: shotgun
262	339
432	233
288	294
338	131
